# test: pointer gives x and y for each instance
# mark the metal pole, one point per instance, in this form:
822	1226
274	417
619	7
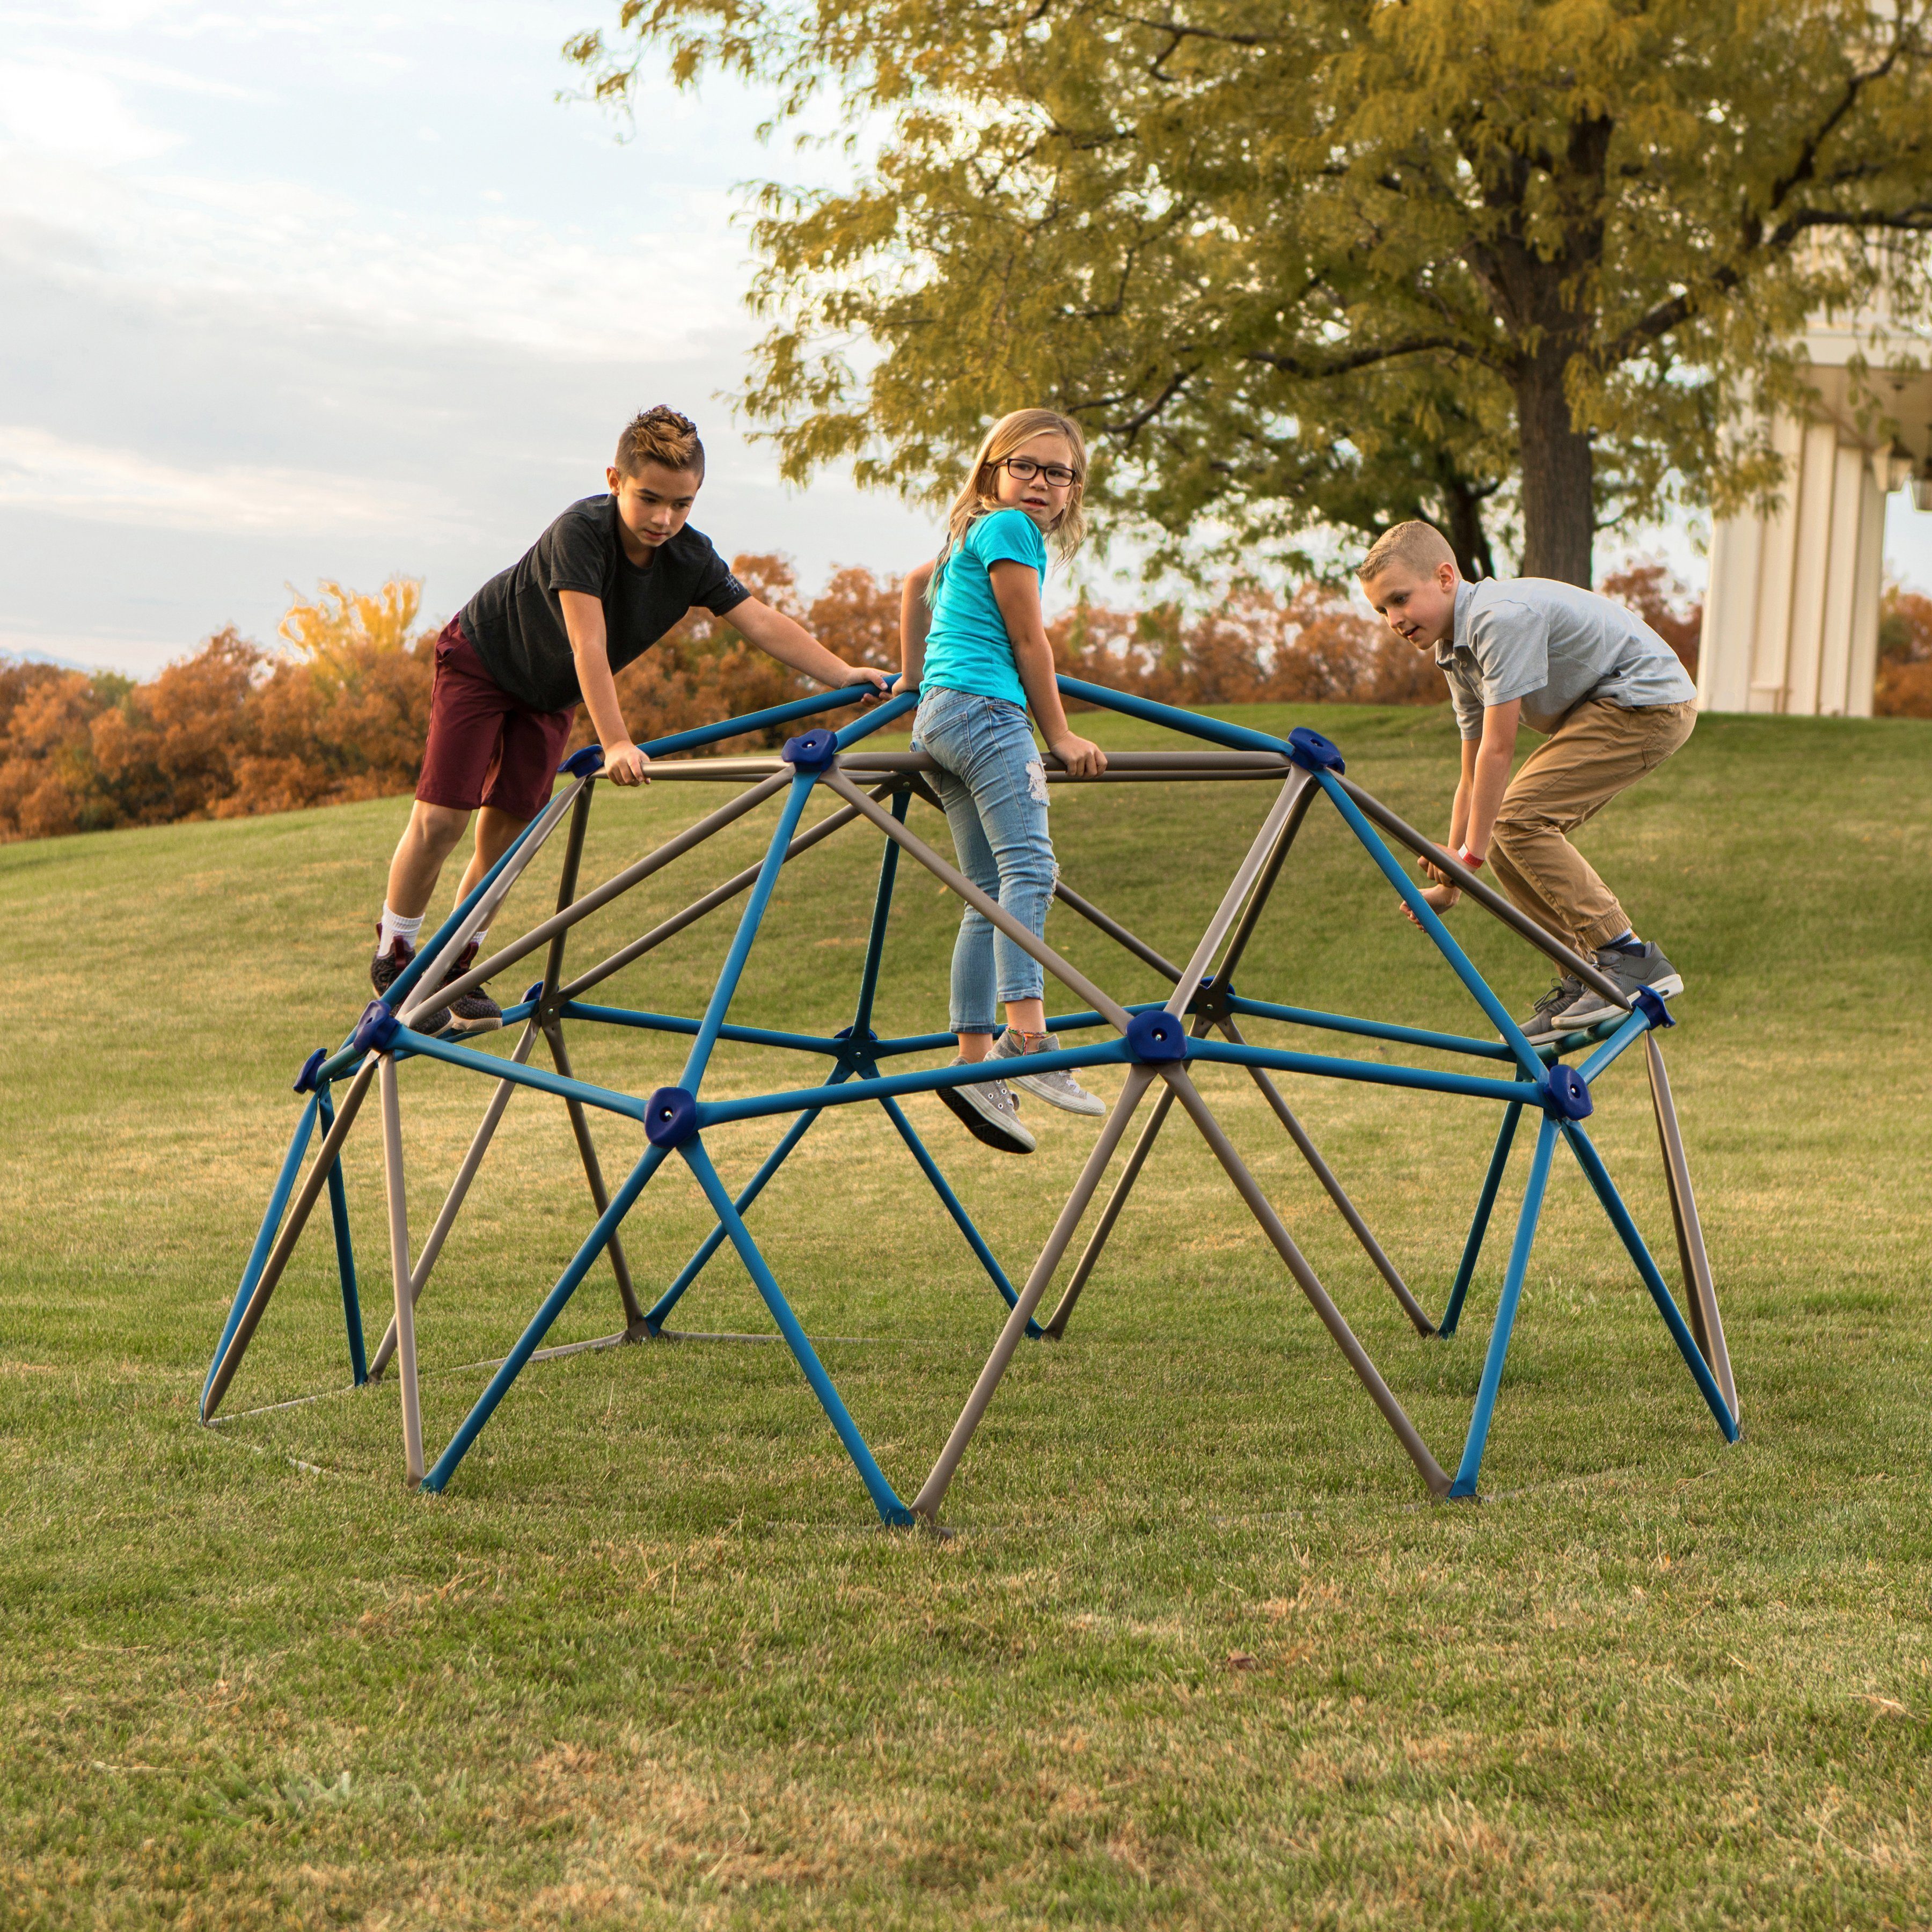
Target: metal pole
932	1493
875	940
1115	930
399	1268
1592	1165
1700	1290
553	1303
885	1497
345	1252
593	1172
1486	1203
278	1257
1263	1210
566	890
459	1189
1499	1335
1109	1214
1344	1206
1265	886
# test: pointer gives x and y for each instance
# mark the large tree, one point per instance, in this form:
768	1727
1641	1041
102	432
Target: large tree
1307	261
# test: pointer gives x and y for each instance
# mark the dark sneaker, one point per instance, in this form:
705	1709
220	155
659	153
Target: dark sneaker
1058	1089
476	1012
1540	1025
386	968
1632	972
989	1113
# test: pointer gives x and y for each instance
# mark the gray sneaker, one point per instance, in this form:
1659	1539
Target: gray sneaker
1058	1088
1632	971
989	1113
1540	1025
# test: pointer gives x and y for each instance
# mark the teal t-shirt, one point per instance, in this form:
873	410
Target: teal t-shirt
967	648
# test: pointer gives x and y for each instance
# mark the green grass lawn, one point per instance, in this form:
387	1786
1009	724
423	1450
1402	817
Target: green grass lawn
1200	1653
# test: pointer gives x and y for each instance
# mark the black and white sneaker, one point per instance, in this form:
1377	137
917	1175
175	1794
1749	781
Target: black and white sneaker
1540	1025
389	965
475	1012
989	1113
1058	1089
1632	972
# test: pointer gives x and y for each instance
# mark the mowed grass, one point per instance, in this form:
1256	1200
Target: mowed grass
1201	1652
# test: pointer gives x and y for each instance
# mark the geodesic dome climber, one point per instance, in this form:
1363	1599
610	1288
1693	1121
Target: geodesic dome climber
1202	1022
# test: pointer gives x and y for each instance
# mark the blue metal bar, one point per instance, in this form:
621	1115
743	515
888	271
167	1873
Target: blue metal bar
553	1303
1634	1028
748	931
761	1106
1403	1036
660	1312
1526	1055
1485	1205
875	941
264	1237
345	1249
1592	1162
1236	737
885	1498
1464	1484
954	1206
408	1042
755	721
867	722
677	1023
1424	1079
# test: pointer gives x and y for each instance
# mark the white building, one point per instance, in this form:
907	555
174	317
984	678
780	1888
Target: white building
1791	616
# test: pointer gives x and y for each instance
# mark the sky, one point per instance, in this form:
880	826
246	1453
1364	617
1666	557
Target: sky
291	292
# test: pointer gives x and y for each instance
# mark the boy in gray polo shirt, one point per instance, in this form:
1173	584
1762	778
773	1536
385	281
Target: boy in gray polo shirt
1613	703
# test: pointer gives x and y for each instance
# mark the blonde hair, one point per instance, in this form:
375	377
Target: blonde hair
659	435
976	499
1421	546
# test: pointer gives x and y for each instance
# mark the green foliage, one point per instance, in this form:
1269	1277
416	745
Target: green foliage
1324	262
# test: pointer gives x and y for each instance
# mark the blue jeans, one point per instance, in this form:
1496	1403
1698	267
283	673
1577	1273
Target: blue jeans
993	787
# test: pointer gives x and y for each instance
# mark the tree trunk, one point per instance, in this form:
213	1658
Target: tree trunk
1559	514
1462	514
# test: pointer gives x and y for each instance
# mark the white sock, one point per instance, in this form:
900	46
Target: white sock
394	926
477	938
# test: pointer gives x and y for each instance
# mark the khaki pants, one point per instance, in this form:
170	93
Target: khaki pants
1598	750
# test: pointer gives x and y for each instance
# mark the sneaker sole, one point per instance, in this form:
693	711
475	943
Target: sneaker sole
455	1029
990	1133
1090	1104
1667	988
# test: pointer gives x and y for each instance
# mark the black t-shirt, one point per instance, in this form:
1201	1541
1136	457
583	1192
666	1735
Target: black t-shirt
516	620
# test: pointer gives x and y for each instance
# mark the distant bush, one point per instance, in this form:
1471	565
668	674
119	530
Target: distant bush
1904	655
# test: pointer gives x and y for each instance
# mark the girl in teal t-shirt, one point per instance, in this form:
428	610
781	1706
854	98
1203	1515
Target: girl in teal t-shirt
974	643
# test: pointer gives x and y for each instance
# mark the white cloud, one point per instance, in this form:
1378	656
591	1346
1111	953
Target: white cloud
41	471
74	112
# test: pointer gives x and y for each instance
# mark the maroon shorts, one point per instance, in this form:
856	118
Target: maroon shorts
486	747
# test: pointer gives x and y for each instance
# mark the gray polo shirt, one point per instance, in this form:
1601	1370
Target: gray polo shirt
1553	645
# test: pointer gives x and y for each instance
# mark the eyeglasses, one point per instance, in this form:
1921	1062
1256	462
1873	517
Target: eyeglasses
1024	470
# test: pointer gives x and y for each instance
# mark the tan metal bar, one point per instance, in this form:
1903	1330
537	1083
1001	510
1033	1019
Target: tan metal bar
933	1493
1702	1295
1070	977
1258	853
399	1269
593	1172
594	901
1320	1169
285	1244
1545	941
1114	931
1263	1210
459	1189
1265	886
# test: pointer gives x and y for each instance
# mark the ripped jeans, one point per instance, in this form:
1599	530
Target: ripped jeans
993	788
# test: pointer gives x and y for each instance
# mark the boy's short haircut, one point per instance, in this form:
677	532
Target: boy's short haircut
660	435
1419	546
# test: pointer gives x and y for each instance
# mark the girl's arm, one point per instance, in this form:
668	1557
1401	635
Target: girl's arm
1016	590
915	620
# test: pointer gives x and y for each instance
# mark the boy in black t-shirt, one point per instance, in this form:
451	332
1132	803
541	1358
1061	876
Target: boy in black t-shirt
594	593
